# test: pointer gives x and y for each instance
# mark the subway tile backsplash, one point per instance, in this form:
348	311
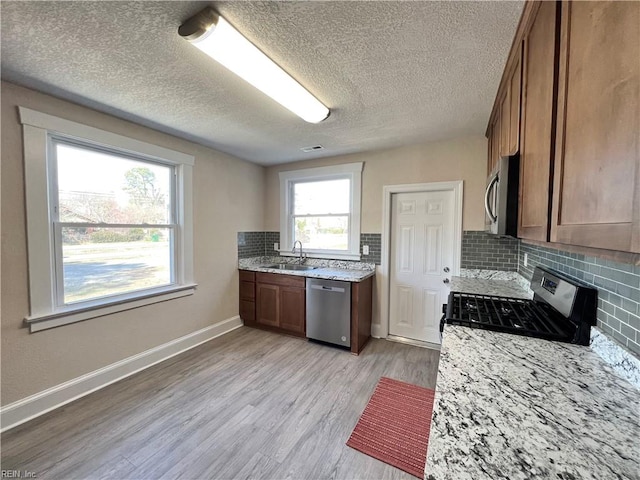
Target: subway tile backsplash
251	244
618	287
258	244
374	240
484	251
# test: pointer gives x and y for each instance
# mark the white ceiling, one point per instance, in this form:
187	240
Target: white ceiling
392	73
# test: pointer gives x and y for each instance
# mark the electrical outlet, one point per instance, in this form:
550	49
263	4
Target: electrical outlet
276	246
526	259
365	249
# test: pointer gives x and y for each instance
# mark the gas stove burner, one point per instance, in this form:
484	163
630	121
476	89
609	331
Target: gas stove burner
470	306
565	317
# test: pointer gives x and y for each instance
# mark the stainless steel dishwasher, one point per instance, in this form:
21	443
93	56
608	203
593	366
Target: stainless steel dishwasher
329	311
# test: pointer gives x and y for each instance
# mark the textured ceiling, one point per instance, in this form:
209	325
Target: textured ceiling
392	73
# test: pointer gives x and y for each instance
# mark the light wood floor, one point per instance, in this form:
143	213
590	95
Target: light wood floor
250	404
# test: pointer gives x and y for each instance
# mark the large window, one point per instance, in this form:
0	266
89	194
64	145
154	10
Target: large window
113	223
320	207
109	221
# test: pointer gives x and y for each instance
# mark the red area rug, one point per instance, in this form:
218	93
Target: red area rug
394	426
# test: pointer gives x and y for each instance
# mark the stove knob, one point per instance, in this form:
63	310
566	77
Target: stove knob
446	269
446	280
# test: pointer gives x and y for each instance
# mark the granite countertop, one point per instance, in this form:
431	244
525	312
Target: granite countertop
514	407
326	270
487	282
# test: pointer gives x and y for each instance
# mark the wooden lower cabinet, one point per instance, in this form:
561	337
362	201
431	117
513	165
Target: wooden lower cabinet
268	305
280	302
277	302
361	314
248	297
292	309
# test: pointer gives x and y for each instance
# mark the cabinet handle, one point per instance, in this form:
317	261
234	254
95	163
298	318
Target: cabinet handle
446	280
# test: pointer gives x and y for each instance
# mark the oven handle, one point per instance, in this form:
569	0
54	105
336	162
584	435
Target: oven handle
487	193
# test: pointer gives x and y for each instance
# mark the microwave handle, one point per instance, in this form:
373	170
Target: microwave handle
487	193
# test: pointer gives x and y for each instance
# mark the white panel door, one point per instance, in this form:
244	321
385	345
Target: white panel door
421	259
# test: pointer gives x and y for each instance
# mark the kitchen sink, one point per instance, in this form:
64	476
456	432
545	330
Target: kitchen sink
289	266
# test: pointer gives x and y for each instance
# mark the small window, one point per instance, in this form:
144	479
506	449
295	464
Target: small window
109	221
321	209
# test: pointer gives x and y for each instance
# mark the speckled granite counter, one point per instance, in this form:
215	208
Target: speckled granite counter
502	288
512	407
326	269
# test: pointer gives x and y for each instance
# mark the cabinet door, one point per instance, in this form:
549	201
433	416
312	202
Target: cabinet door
505	122
489	149
495	141
515	83
537	120
597	166
267	304
292	311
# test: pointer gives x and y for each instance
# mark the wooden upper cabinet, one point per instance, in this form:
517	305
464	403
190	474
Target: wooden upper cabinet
597	164
515	88
505	122
536	131
503	132
494	142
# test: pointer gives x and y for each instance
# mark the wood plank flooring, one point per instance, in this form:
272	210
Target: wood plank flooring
250	404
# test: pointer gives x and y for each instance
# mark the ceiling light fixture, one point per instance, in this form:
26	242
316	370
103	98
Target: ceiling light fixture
217	38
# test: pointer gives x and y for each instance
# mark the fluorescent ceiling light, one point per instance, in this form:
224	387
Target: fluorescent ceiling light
217	38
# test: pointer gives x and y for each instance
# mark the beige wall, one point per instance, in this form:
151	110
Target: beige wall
228	197
458	159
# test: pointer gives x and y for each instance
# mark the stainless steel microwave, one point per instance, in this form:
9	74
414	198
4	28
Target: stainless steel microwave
501	197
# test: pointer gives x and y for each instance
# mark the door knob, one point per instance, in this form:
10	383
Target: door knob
446	280
446	269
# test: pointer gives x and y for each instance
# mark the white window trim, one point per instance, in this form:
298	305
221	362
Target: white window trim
353	171
44	314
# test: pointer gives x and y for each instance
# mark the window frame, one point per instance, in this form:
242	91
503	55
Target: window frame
350	171
40	131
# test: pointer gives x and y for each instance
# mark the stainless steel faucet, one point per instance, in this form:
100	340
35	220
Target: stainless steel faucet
294	250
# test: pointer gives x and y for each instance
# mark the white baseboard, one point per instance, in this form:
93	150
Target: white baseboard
40	403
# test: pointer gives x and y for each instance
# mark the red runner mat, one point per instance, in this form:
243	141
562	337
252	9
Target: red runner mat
394	426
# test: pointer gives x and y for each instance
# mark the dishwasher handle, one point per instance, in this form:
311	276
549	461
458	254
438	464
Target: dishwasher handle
327	289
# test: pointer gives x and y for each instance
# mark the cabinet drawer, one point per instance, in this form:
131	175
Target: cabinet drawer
246	276
247	290
278	279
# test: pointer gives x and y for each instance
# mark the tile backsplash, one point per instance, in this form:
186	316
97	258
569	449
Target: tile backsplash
481	250
618	287
258	244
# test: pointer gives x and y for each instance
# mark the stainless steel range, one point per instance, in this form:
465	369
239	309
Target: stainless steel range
562	309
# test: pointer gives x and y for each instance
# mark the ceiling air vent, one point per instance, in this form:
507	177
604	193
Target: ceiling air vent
312	149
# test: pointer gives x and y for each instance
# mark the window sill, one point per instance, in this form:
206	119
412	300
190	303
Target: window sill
79	314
